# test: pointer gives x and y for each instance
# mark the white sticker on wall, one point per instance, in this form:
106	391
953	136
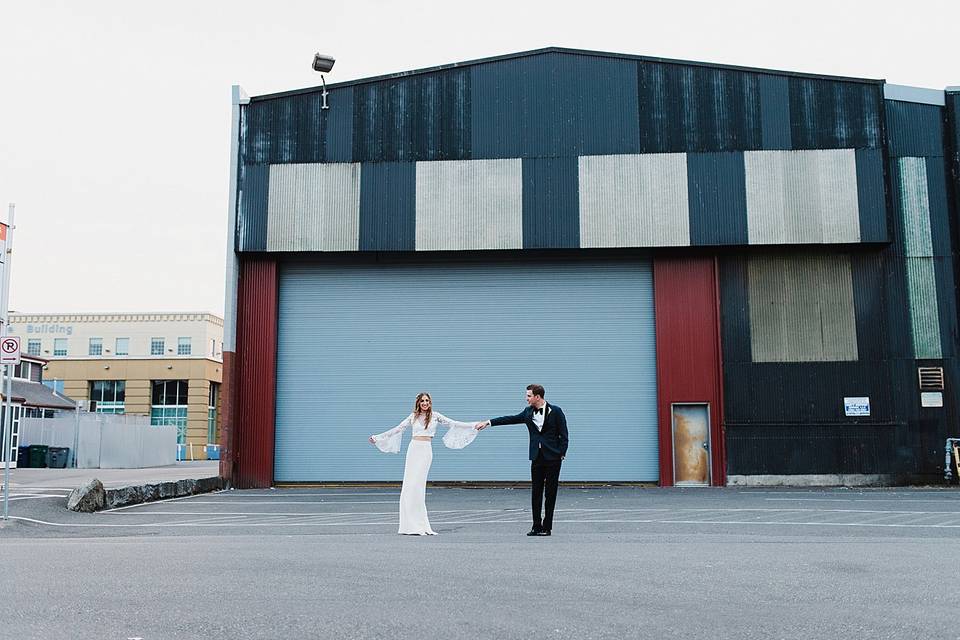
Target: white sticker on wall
931	399
856	406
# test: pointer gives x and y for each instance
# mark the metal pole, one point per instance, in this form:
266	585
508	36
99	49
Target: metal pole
7	413
76	434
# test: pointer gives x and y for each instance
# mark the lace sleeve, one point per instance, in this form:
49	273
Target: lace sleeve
459	434
389	441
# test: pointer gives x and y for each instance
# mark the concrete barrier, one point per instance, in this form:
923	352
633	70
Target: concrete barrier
93	497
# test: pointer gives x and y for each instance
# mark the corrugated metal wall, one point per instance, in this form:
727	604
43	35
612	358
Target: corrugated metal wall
554	110
768	159
616	201
469	205
688	353
904	303
634	201
256	364
357	342
802	197
801	308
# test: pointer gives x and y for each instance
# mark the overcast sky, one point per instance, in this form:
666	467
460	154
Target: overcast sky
115	116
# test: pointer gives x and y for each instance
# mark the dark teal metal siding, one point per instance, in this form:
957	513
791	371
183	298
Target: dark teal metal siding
338	126
718	198
686	108
914	129
775	112
939	206
834	115
388	206
871	196
425	117
554	105
867	272
551	215
252	203
295	129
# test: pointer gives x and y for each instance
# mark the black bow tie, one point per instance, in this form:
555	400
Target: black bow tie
540	410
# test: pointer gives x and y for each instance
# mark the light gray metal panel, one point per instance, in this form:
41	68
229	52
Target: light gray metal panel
802	197
919	95
915	205
634	200
357	343
801	308
314	207
924	309
469	204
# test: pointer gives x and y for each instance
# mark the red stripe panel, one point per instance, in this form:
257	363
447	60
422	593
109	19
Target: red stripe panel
688	352
255	374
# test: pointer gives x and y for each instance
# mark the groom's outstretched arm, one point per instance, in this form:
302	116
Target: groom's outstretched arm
517	419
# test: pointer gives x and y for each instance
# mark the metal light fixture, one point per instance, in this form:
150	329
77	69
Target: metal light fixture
323	64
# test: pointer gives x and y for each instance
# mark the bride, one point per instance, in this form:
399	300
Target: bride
423	426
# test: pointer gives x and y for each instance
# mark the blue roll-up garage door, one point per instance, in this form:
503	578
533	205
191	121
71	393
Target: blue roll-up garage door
357	343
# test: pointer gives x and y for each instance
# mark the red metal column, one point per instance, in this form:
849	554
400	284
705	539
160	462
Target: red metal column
689	363
254	374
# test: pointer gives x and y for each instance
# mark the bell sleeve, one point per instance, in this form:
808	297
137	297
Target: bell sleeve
389	441
459	434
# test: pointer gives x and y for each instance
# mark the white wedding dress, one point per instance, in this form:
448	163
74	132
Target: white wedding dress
413	494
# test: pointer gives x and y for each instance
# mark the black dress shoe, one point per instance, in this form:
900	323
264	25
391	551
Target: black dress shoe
536	531
543	532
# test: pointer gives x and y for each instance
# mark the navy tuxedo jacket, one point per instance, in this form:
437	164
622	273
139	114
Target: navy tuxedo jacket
552	440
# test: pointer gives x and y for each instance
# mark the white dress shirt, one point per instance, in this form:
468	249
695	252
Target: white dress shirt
538	418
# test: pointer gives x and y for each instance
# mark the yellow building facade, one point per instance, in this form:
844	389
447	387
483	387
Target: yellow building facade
167	366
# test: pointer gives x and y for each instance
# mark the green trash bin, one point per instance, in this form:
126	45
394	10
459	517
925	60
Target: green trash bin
38	456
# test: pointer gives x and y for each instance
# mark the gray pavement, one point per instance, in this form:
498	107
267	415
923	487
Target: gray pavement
26	479
622	563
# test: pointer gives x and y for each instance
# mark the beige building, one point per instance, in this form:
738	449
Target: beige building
164	365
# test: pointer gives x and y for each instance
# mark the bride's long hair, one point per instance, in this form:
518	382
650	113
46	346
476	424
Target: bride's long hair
426	414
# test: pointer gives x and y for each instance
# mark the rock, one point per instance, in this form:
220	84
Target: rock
186	488
151	492
167	490
93	497
206	485
88	498
123	496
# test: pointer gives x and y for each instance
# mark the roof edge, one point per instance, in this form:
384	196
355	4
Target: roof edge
919	95
564	50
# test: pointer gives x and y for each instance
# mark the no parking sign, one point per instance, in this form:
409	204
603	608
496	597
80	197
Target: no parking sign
10	350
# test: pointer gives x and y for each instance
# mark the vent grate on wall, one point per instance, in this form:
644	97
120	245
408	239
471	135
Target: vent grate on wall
931	378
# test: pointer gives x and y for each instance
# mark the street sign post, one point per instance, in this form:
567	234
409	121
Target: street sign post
6	257
10	350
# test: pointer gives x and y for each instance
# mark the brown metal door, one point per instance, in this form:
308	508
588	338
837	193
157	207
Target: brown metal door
691	444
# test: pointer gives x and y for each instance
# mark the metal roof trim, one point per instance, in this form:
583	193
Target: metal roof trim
919	95
564	50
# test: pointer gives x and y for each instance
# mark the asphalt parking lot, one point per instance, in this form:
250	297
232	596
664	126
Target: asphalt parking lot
623	562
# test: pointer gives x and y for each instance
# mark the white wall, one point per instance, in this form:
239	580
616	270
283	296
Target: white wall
105	441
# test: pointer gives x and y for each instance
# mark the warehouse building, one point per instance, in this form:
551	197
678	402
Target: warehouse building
722	274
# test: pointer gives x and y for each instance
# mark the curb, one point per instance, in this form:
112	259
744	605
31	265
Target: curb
94	497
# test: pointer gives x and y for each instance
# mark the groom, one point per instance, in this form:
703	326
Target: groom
548	447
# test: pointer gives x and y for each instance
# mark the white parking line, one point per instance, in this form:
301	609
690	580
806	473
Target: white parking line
565	523
954	501
295	502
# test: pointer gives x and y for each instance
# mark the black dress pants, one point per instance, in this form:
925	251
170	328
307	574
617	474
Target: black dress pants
544	476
